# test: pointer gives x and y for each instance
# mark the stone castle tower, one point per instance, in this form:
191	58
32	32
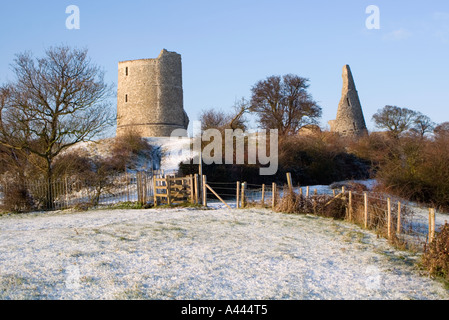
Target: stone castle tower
350	120
150	96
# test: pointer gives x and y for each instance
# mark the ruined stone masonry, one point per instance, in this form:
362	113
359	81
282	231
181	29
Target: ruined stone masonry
350	120
150	96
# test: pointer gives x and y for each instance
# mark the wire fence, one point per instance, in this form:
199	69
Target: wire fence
70	192
395	219
406	224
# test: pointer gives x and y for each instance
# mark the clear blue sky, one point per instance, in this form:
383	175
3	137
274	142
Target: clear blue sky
227	46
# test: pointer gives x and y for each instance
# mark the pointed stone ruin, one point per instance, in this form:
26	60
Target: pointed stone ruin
350	120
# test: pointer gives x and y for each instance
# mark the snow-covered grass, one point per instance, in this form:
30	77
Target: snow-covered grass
174	151
188	253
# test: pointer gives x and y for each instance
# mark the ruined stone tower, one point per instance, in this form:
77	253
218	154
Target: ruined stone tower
350	120
150	96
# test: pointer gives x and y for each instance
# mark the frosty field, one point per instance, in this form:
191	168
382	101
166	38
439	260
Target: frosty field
188	253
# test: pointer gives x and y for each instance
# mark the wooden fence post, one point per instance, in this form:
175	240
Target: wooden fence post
431	224
365	196
192	189
204	192
138	183
389	218
237	195
289	181
273	198
243	194
127	185
145	188
155	191
66	192
168	179
307	191
263	195
350	206
197	189
399	218
142	185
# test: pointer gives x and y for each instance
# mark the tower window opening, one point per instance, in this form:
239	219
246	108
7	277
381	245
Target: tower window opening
126	71
126	98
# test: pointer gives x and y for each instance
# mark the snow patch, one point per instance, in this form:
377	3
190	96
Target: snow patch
187	253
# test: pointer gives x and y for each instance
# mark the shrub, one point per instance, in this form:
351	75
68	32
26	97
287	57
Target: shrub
16	198
318	158
436	256
373	148
349	186
321	205
417	170
294	203
73	163
327	206
126	149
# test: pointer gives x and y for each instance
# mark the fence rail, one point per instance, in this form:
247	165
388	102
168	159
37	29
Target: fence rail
398	220
99	191
393	218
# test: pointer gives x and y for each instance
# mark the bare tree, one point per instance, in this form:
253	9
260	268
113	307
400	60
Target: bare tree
55	102
214	119
237	118
394	119
283	103
422	124
442	130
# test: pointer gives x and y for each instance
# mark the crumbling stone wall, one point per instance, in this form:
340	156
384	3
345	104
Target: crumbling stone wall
350	120
150	96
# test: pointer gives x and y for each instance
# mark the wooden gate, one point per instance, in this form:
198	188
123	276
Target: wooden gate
171	190
143	184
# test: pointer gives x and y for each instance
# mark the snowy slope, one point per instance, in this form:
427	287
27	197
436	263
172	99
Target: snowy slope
200	254
174	151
